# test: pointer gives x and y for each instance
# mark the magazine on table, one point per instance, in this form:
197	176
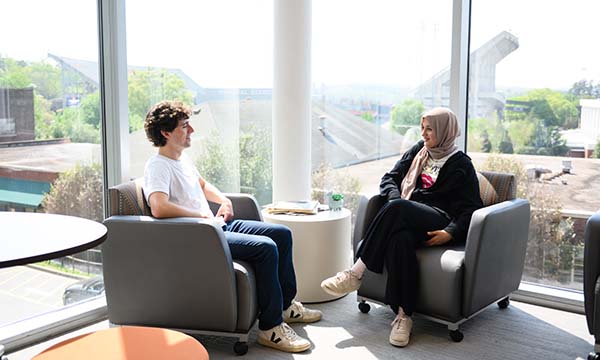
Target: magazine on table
293	207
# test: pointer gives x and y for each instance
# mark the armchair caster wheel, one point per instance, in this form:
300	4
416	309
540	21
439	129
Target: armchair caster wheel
593	356
503	304
456	335
364	307
240	348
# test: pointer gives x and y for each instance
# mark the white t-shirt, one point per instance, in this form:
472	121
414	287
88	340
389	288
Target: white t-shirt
179	179
432	168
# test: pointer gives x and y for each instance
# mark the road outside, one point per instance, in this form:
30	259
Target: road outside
25	292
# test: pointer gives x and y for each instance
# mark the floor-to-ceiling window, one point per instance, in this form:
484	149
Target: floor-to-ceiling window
534	111
215	56
533	107
376	67
50	158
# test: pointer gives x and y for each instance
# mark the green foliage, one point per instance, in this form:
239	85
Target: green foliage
136	122
486	144
147	87
77	192
69	123
597	149
220	166
78	124
44	77
506	146
90	109
407	113
217	164
552	107
43	116
481	129
585	89
82	123
533	131
337	197
548	140
521	132
256	163
14	74
367	116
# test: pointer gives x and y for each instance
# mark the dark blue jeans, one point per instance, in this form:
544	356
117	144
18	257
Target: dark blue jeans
268	248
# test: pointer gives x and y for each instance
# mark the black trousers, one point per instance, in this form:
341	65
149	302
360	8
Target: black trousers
397	231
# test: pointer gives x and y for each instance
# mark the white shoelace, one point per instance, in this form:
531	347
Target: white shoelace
298	306
346	274
398	321
288	332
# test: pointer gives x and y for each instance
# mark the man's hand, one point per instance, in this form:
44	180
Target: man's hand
439	237
226	210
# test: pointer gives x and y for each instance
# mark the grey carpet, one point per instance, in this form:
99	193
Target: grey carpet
521	331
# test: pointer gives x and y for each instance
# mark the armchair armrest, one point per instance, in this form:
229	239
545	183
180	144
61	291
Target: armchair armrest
168	273
591	272
495	253
594	326
368	207
244	206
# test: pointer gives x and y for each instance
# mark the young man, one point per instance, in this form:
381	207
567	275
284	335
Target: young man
173	188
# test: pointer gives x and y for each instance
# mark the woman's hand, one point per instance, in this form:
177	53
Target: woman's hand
439	237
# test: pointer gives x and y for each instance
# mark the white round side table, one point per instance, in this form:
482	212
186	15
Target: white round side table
322	247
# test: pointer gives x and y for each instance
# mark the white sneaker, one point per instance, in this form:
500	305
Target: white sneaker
297	313
283	337
400	334
342	283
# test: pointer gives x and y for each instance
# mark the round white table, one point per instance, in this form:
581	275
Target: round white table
322	247
33	237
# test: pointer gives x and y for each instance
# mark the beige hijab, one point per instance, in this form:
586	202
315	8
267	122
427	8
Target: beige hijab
445	126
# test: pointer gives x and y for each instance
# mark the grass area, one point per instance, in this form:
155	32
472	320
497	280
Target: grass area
63	269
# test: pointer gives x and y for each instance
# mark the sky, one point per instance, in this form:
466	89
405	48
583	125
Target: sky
228	43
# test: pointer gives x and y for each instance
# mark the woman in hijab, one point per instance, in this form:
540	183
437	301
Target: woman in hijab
431	193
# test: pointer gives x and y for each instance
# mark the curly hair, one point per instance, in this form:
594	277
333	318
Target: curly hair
164	116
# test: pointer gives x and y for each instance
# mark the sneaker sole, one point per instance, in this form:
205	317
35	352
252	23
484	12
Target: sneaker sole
398	343
333	292
299	320
270	344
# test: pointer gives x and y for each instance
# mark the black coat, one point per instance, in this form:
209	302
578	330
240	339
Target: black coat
455	191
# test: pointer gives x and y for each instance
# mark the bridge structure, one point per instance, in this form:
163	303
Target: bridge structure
484	100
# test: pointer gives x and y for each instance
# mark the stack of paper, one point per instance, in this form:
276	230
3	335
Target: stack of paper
293	207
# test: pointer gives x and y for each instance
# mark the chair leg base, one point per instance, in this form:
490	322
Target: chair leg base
240	348
503	304
456	335
364	307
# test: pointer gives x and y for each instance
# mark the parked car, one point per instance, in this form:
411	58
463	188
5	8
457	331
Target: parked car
83	289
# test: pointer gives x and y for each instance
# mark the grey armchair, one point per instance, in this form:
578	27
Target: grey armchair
591	281
176	273
457	282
